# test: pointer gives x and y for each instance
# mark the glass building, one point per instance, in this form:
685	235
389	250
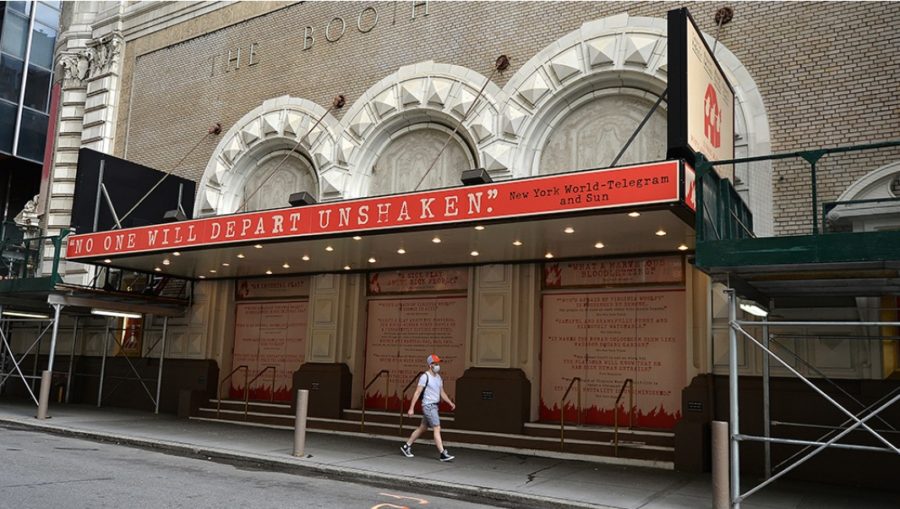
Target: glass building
28	32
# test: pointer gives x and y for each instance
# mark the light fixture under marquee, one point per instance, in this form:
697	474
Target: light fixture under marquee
114	314
25	314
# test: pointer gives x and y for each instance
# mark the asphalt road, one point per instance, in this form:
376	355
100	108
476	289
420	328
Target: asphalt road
38	470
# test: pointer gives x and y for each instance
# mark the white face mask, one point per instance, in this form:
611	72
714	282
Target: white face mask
436	368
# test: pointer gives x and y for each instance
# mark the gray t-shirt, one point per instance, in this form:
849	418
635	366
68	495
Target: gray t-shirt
432	389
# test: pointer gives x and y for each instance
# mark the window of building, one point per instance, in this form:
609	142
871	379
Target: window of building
43	39
23	7
14	38
32	135
10	77
7	125
47	15
37	88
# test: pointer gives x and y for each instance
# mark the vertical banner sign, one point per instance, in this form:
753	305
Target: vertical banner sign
402	333
131	337
269	335
701	101
606	338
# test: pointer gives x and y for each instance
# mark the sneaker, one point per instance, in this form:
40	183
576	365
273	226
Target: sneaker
446	456
406	450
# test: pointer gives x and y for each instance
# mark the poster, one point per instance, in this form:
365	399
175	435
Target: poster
615	272
272	288
424	280
605	338
402	333
130	337
268	335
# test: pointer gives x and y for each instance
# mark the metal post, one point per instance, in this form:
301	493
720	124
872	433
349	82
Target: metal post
815	214
767	418
44	396
99	191
72	359
735	484
53	335
300	422
162	357
47	374
103	365
720	464
37	356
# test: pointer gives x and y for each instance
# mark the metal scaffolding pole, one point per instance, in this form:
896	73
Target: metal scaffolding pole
103	365
767	422
47	374
37	355
733	401
72	359
162	357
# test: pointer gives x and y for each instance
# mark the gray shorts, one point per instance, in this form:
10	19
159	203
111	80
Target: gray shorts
430	415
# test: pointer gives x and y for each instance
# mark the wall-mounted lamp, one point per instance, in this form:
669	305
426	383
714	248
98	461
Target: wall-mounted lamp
174	215
475	177
301	198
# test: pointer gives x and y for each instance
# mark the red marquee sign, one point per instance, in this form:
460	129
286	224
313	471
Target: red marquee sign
597	189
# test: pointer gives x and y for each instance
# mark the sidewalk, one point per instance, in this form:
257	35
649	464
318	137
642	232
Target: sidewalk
480	475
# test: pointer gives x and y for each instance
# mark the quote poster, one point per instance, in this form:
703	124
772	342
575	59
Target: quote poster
268	335
401	334
606	338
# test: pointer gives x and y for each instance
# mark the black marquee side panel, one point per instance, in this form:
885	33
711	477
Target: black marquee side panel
677	95
126	183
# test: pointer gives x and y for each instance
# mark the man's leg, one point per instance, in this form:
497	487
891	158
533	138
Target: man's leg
437	439
416	433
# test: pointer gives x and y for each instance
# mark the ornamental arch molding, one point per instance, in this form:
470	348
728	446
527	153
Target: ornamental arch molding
624	56
427	96
871	203
254	145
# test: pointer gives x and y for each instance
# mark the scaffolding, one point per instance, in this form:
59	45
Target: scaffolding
11	363
854	421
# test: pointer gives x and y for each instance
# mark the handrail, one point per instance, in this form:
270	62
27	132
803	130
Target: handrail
562	411
403	398
387	384
630	383
247	388
235	370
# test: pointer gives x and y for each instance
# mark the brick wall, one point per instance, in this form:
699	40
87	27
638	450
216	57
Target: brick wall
828	72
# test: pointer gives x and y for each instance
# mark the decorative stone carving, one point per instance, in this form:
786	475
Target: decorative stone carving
639	48
97	58
512	120
534	88
602	51
29	218
483	125
566	64
438	91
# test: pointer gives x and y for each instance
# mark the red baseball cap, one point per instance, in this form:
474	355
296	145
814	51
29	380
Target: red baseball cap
433	359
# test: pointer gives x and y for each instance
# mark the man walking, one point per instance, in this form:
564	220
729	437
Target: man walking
431	388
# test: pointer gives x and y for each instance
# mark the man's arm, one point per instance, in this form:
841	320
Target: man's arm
447	399
412	404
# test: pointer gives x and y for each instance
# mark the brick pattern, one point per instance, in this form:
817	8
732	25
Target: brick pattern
827	72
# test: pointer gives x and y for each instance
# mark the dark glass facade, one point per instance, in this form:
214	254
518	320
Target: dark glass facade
28	32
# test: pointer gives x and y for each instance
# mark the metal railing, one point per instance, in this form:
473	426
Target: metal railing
721	213
248	384
227	378
21	258
387	384
630	384
403	400
562	410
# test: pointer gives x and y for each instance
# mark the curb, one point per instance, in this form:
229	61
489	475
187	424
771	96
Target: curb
289	464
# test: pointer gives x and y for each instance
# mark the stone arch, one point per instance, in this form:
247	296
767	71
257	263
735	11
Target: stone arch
622	53
428	95
270	130
882	184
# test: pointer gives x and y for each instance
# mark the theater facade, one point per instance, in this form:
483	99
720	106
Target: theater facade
559	285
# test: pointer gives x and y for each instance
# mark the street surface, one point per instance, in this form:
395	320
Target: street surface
39	470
